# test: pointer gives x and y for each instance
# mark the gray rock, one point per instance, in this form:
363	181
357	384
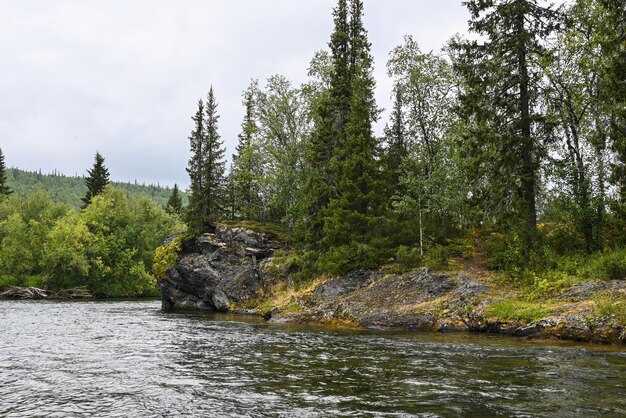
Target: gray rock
216	269
346	284
220	301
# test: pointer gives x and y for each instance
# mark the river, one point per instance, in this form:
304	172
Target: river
128	359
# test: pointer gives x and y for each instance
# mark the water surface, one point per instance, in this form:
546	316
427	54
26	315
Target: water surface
128	359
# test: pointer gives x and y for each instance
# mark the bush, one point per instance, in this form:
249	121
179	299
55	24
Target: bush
437	257
504	252
165	257
349	257
612	266
548	284
611	308
562	238
408	258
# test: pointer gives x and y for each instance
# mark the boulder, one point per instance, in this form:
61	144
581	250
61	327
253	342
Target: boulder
216	269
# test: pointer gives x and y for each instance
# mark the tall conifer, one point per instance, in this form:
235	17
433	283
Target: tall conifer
4	188
247	161
97	180
502	85
174	202
206	167
196	209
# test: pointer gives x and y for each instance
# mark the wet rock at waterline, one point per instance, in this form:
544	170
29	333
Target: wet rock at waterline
217	269
235	269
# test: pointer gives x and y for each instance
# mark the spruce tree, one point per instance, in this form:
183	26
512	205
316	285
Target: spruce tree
352	213
175	201
502	78
206	167
195	169
344	183
397	147
214	164
4	188
330	117
247	161
97	180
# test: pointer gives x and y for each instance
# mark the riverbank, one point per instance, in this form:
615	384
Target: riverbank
236	269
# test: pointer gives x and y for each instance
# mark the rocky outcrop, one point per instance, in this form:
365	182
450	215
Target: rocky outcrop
419	300
217	269
232	267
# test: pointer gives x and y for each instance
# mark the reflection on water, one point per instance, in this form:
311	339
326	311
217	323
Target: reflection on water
129	359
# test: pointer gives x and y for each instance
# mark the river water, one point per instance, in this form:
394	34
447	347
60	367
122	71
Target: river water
129	359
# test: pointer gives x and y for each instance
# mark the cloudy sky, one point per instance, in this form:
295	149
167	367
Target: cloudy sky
123	76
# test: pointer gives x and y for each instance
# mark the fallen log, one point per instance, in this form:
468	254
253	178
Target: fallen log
25	293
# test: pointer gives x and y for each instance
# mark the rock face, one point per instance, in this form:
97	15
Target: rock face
217	269
223	269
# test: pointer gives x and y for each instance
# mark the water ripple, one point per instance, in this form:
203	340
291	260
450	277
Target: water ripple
120	359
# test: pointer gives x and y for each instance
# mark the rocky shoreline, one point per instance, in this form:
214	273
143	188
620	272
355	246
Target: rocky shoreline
233	269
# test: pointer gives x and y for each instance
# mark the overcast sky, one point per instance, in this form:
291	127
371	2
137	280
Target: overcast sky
124	76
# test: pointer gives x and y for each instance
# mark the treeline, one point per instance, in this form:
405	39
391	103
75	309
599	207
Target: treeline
106	247
70	190
519	132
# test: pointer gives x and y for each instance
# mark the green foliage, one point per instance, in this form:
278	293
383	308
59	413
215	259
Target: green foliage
504	252
408	258
69	190
165	256
4	187
547	284
516	310
108	246
611	308
437	257
65	252
97	180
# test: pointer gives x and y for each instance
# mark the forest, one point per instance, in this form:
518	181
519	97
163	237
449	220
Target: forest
508	145
103	246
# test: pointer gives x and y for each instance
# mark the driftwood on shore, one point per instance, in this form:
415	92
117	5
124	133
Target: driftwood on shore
35	293
25	293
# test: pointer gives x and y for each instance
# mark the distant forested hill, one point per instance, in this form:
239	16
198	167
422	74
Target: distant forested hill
70	189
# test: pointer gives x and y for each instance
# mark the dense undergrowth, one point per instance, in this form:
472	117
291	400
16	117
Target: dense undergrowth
107	247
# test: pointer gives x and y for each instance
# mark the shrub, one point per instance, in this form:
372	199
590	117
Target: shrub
437	257
611	307
562	238
504	252
165	257
408	258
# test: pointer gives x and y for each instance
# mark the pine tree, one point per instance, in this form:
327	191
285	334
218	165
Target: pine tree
500	99
247	161
97	180
4	188
195	209
206	167
175	201
214	164
397	147
353	210
343	185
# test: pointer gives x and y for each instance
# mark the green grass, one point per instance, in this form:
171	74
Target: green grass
517	310
611	308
